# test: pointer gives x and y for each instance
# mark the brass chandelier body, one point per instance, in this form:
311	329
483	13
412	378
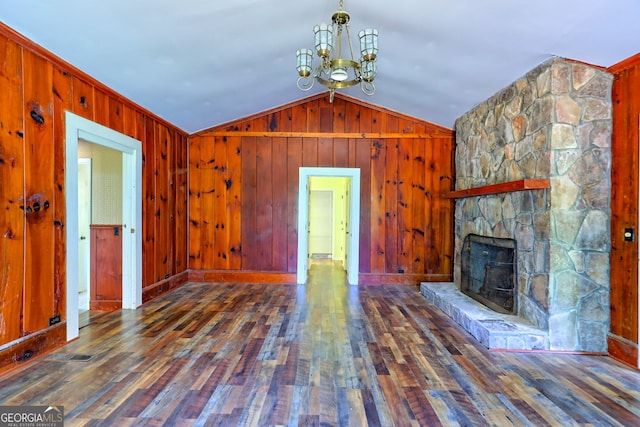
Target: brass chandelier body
335	71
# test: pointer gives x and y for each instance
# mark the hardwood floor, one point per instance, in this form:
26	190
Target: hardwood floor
321	354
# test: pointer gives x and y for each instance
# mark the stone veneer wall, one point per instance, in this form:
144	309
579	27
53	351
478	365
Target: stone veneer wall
553	123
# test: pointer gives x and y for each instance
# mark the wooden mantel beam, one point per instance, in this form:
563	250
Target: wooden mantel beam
503	187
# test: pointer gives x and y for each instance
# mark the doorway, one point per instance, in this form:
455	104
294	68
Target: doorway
84	222
79	128
321	224
350	211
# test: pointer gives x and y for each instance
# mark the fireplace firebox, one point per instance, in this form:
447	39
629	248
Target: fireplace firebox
488	272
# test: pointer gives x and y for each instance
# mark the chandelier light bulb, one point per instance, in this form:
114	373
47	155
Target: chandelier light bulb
339	74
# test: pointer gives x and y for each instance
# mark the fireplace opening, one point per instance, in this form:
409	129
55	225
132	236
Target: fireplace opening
488	272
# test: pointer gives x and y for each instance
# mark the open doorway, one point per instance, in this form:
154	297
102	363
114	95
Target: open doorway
329	198
339	188
84	223
100	195
77	129
321	221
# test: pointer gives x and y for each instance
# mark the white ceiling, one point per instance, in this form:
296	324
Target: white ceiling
200	63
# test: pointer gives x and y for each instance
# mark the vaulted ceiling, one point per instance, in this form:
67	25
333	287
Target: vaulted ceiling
200	63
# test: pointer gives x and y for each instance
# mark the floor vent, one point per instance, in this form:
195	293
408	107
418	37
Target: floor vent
72	357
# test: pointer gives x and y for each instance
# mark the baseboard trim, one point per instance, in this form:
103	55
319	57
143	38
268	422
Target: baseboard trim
236	276
33	346
162	287
105	305
401	279
365	279
623	350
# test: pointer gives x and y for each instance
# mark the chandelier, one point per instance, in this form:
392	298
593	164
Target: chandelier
335	71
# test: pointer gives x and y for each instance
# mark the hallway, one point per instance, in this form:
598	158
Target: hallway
321	354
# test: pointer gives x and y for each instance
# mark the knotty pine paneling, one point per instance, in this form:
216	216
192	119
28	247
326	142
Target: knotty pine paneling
12	242
624	206
37	88
405	165
162	233
62	101
38	201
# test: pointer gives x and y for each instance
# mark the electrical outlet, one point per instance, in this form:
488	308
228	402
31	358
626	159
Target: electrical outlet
55	319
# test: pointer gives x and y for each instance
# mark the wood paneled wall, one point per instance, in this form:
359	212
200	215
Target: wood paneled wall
36	89
244	189
623	342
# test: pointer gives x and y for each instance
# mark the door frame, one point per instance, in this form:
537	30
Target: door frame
353	246
78	128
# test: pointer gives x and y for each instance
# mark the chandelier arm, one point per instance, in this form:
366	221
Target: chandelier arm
368	88
305	83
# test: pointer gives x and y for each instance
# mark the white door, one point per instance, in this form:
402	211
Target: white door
345	225
321	224
84	219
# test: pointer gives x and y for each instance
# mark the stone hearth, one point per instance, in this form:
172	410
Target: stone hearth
552	125
493	330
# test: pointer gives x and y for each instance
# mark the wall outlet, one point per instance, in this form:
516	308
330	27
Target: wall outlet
55	319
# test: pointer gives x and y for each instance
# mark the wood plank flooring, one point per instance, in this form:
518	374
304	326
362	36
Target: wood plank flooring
323	354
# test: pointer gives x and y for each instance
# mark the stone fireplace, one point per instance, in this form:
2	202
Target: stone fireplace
533	165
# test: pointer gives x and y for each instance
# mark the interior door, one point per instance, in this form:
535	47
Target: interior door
321	223
346	214
84	220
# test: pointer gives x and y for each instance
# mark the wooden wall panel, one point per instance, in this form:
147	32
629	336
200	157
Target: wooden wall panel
294	163
162	223
11	191
221	219
100	107
38	202
180	208
195	189
250	252
363	162
83	104
62	101
403	167
377	227
264	205
149	203
624	208
391	205
404	206
420	218
233	187
279	206
37	89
